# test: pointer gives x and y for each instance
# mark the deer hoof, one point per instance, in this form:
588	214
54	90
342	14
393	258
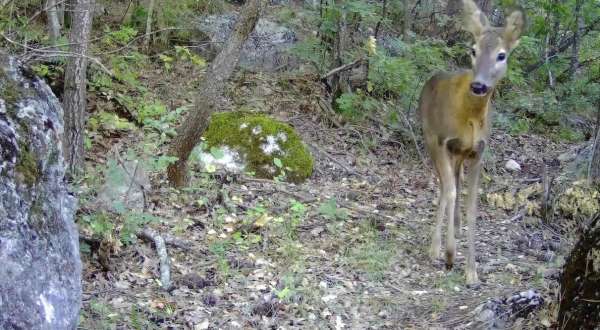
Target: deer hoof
472	280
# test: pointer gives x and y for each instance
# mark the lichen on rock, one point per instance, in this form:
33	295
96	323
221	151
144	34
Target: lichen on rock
259	140
40	266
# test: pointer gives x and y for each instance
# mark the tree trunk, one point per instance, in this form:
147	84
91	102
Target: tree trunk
594	167
209	92
406	20
53	21
74	100
485	6
576	31
149	24
61	13
580	282
552	42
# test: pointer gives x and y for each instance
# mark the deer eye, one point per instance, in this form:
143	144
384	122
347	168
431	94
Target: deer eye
501	57
473	52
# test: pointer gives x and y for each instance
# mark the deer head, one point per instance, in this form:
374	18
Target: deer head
489	53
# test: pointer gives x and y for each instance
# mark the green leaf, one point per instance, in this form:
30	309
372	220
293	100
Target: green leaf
277	162
283	294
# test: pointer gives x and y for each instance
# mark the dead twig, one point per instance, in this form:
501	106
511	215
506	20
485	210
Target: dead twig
326	154
278	186
326	107
55	53
177	242
161	249
546	182
413	136
342	68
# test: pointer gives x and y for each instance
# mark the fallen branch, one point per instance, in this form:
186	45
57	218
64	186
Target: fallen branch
177	242
278	187
326	154
546	182
343	68
326	107
161	249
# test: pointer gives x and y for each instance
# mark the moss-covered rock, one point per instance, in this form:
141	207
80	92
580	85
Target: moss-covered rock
260	140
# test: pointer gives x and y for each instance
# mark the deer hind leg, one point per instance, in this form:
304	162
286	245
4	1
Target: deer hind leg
475	165
436	235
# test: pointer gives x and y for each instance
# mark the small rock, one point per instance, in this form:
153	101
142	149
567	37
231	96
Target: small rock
512	165
125	187
201	326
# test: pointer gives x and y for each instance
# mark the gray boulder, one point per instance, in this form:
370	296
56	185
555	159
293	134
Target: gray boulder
265	49
40	268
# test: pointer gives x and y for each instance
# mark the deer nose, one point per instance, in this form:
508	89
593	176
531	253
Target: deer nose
478	88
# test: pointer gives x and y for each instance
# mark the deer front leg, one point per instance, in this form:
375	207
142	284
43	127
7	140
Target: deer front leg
457	211
471	204
445	205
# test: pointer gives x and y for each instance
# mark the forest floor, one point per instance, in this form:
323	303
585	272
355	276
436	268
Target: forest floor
346	249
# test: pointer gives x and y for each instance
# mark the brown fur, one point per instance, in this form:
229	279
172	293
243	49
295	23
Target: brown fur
456	126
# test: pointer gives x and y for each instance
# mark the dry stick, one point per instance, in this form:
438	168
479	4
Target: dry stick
278	186
546	194
161	249
52	53
126	10
177	242
43	10
325	106
326	154
413	136
342	68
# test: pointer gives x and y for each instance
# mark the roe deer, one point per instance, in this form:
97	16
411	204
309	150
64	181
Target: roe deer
454	110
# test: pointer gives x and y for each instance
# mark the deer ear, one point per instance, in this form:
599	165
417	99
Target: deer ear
514	26
474	19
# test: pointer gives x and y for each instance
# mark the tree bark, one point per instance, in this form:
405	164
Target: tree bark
594	167
576	30
580	282
74	100
552	42
209	92
149	24
53	21
406	21
485	6
61	13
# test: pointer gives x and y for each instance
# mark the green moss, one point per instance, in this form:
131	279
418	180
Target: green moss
248	132
27	165
9	91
